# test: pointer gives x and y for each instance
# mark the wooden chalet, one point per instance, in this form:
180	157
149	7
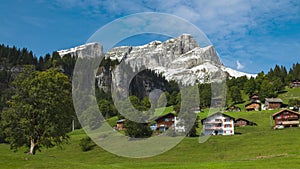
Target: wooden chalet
286	118
254	98
273	103
253	106
240	122
295	83
120	124
165	122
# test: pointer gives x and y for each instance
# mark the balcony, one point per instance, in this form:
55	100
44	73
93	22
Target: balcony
212	128
213	122
290	123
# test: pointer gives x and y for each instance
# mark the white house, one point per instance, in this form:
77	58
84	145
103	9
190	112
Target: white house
218	124
179	127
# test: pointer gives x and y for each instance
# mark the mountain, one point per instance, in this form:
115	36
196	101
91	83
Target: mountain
180	59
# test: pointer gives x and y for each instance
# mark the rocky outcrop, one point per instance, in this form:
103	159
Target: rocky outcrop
180	59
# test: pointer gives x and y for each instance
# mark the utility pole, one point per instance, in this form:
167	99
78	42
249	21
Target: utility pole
73	125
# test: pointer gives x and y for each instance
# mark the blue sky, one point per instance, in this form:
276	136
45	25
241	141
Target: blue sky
250	35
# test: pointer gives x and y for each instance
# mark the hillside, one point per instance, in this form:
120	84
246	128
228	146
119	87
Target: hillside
290	93
255	147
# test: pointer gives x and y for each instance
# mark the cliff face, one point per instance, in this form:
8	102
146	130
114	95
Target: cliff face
180	59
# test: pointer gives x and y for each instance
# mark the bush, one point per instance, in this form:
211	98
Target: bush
137	130
86	144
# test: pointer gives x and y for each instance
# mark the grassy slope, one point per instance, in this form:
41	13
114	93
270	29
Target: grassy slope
290	94
238	151
255	147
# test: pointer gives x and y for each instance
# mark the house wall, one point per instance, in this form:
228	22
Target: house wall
274	105
254	106
295	84
219	125
286	116
241	123
120	126
167	121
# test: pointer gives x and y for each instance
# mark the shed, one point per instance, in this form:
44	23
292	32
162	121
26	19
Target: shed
240	122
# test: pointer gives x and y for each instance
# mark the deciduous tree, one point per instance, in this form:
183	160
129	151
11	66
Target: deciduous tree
40	111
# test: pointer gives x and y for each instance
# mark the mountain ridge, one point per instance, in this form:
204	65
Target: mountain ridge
180	59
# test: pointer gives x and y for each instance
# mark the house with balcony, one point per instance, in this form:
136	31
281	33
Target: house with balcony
286	118
168	121
218	124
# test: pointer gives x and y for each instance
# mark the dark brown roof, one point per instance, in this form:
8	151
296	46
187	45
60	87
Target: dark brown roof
215	114
291	111
241	119
159	117
248	122
254	97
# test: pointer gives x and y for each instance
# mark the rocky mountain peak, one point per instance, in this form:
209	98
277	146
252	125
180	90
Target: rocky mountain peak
180	59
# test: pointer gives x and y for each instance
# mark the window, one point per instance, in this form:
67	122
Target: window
166	119
227	125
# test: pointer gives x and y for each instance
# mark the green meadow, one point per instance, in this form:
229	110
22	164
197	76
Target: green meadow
251	147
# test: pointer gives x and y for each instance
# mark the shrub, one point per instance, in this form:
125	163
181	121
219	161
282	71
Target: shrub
86	144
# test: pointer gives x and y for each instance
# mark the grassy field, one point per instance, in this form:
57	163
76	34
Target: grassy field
254	147
290	93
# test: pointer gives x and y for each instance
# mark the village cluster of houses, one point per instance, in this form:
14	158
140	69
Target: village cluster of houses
270	103
222	124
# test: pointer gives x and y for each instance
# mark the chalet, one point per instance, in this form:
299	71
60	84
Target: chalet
120	124
168	121
286	118
254	98
295	83
273	103
165	122
253	106
240	122
218	124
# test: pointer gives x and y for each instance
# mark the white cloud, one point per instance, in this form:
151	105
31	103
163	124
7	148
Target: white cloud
239	65
239	29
